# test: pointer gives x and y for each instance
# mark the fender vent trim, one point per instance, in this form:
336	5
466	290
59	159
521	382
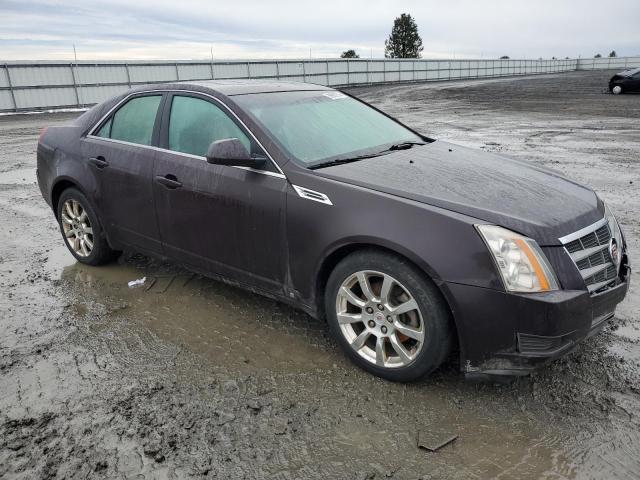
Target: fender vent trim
312	195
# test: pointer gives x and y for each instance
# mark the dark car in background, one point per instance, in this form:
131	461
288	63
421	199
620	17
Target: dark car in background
625	82
411	248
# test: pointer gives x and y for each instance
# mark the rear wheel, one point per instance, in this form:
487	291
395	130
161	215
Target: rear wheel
81	229
616	90
389	318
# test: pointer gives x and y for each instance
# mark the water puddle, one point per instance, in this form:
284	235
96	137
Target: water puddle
224	325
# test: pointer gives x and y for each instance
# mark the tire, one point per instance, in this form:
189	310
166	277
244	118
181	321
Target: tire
359	320
616	90
81	229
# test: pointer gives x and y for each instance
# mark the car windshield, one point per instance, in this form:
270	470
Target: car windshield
629	73
317	127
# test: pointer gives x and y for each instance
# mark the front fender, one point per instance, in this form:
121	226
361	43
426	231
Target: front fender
444	244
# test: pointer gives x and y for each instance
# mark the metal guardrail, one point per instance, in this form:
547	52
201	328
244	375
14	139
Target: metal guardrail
54	85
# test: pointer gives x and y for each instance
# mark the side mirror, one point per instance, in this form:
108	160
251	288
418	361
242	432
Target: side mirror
232	152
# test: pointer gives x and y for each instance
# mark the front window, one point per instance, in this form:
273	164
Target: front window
195	123
318	126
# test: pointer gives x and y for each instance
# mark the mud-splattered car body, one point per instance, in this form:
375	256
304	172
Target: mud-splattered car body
281	229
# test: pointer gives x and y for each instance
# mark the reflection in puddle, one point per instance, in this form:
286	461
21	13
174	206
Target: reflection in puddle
227	326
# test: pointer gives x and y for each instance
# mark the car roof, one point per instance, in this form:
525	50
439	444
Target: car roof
219	87
244	87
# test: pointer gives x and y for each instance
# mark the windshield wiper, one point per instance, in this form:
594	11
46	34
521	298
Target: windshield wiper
404	145
341	161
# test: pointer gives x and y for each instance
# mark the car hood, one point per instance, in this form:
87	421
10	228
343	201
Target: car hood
531	200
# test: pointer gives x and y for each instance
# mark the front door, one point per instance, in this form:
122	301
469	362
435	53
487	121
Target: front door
120	159
225	220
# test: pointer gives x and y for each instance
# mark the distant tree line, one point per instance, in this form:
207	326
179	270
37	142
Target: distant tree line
349	54
405	41
612	54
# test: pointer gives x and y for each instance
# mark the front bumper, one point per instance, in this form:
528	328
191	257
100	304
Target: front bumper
510	334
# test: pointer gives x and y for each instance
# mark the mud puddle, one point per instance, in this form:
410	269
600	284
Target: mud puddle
226	326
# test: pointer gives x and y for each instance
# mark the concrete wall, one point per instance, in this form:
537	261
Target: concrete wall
49	85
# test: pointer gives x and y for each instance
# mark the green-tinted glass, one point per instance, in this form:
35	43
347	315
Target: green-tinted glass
195	123
105	131
318	125
134	121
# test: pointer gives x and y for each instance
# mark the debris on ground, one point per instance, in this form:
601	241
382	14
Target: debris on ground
137	283
434	441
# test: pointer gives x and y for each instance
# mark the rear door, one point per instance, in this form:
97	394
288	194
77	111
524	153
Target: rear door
225	220
120	155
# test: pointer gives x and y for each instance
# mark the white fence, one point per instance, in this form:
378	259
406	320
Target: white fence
608	63
50	85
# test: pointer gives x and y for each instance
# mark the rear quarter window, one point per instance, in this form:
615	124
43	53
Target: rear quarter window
105	131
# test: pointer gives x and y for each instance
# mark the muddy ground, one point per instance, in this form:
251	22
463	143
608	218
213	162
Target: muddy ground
192	378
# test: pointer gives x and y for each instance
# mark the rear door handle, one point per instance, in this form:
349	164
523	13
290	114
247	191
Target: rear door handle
169	181
99	162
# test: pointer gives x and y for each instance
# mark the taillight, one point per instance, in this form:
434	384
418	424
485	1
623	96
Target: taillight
42	133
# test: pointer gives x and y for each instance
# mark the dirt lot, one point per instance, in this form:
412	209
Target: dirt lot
195	378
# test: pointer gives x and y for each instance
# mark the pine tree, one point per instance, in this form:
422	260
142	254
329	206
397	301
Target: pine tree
404	41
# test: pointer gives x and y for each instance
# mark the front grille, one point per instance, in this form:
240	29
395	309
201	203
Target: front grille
590	253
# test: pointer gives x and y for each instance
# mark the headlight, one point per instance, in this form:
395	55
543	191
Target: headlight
614	226
521	263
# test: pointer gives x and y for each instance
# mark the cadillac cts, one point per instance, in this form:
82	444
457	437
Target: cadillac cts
413	249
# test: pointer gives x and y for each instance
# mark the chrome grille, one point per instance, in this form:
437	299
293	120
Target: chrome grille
589	249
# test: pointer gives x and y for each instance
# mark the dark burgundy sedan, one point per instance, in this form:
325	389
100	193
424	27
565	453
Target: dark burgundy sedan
411	248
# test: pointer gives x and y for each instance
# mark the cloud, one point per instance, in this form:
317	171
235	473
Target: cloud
191	29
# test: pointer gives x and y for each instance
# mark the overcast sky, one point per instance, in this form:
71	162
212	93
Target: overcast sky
191	29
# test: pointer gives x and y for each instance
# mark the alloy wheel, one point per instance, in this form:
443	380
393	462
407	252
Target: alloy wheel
380	319
77	228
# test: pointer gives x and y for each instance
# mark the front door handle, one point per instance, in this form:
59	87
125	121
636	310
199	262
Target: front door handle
169	181
99	162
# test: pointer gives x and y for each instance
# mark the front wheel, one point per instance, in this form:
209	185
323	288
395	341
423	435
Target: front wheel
81	229
388	317
616	90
